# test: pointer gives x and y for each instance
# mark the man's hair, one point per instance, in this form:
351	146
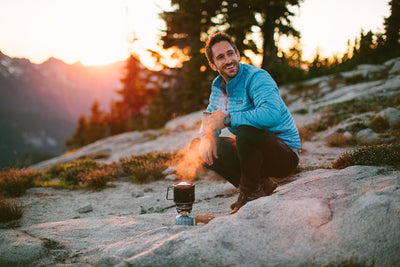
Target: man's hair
216	38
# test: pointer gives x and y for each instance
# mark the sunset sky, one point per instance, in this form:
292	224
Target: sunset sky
96	31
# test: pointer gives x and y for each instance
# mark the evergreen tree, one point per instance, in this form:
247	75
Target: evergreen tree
133	93
366	48
127	113
79	137
272	18
96	128
392	29
185	29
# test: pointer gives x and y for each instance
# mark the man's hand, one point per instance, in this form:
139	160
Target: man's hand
208	148
215	121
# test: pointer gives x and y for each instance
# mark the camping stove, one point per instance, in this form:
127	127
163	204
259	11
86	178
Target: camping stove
184	199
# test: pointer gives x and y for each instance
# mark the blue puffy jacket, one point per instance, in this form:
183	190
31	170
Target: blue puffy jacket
252	98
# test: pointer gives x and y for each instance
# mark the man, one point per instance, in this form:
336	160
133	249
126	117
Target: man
246	99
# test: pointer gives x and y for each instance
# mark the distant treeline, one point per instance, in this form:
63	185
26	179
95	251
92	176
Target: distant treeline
187	90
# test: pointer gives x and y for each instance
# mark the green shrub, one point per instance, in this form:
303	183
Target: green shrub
14	182
375	155
71	172
96	179
54	171
379	124
356	127
146	167
10	210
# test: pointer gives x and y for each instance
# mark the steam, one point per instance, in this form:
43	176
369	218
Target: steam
189	162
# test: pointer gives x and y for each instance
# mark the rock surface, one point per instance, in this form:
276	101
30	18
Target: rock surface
319	216
325	216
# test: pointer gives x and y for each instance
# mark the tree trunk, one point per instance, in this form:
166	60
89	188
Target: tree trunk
270	57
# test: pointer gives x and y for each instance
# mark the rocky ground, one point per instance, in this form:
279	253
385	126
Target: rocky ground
316	217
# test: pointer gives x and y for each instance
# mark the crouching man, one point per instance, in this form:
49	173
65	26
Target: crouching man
246	99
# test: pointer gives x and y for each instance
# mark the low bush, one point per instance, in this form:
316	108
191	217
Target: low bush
379	124
96	179
305	134
375	155
340	140
146	167
355	127
10	210
337	140
71	172
14	182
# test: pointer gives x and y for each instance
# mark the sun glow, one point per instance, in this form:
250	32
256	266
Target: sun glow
94	32
97	32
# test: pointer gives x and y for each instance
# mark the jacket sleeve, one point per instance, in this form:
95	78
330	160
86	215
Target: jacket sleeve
266	113
217	101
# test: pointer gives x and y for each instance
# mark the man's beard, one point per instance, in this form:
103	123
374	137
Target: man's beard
229	71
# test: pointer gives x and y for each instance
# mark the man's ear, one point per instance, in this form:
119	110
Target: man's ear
212	66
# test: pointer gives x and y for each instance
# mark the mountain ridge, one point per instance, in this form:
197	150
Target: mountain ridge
40	103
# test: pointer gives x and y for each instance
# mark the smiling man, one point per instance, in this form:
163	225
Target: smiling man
246	99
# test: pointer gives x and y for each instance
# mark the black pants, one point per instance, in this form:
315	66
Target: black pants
254	155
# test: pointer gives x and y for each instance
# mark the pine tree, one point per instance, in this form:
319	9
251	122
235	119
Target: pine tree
96	128
273	18
127	113
79	137
186	29
133	92
392	29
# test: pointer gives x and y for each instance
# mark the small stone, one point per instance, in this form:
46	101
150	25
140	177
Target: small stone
86	209
137	194
392	115
142	210
396	68
171	177
367	136
347	134
169	170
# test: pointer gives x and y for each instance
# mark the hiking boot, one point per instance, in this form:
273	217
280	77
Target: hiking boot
267	185
245	197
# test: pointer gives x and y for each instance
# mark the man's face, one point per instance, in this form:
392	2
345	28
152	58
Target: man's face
226	60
